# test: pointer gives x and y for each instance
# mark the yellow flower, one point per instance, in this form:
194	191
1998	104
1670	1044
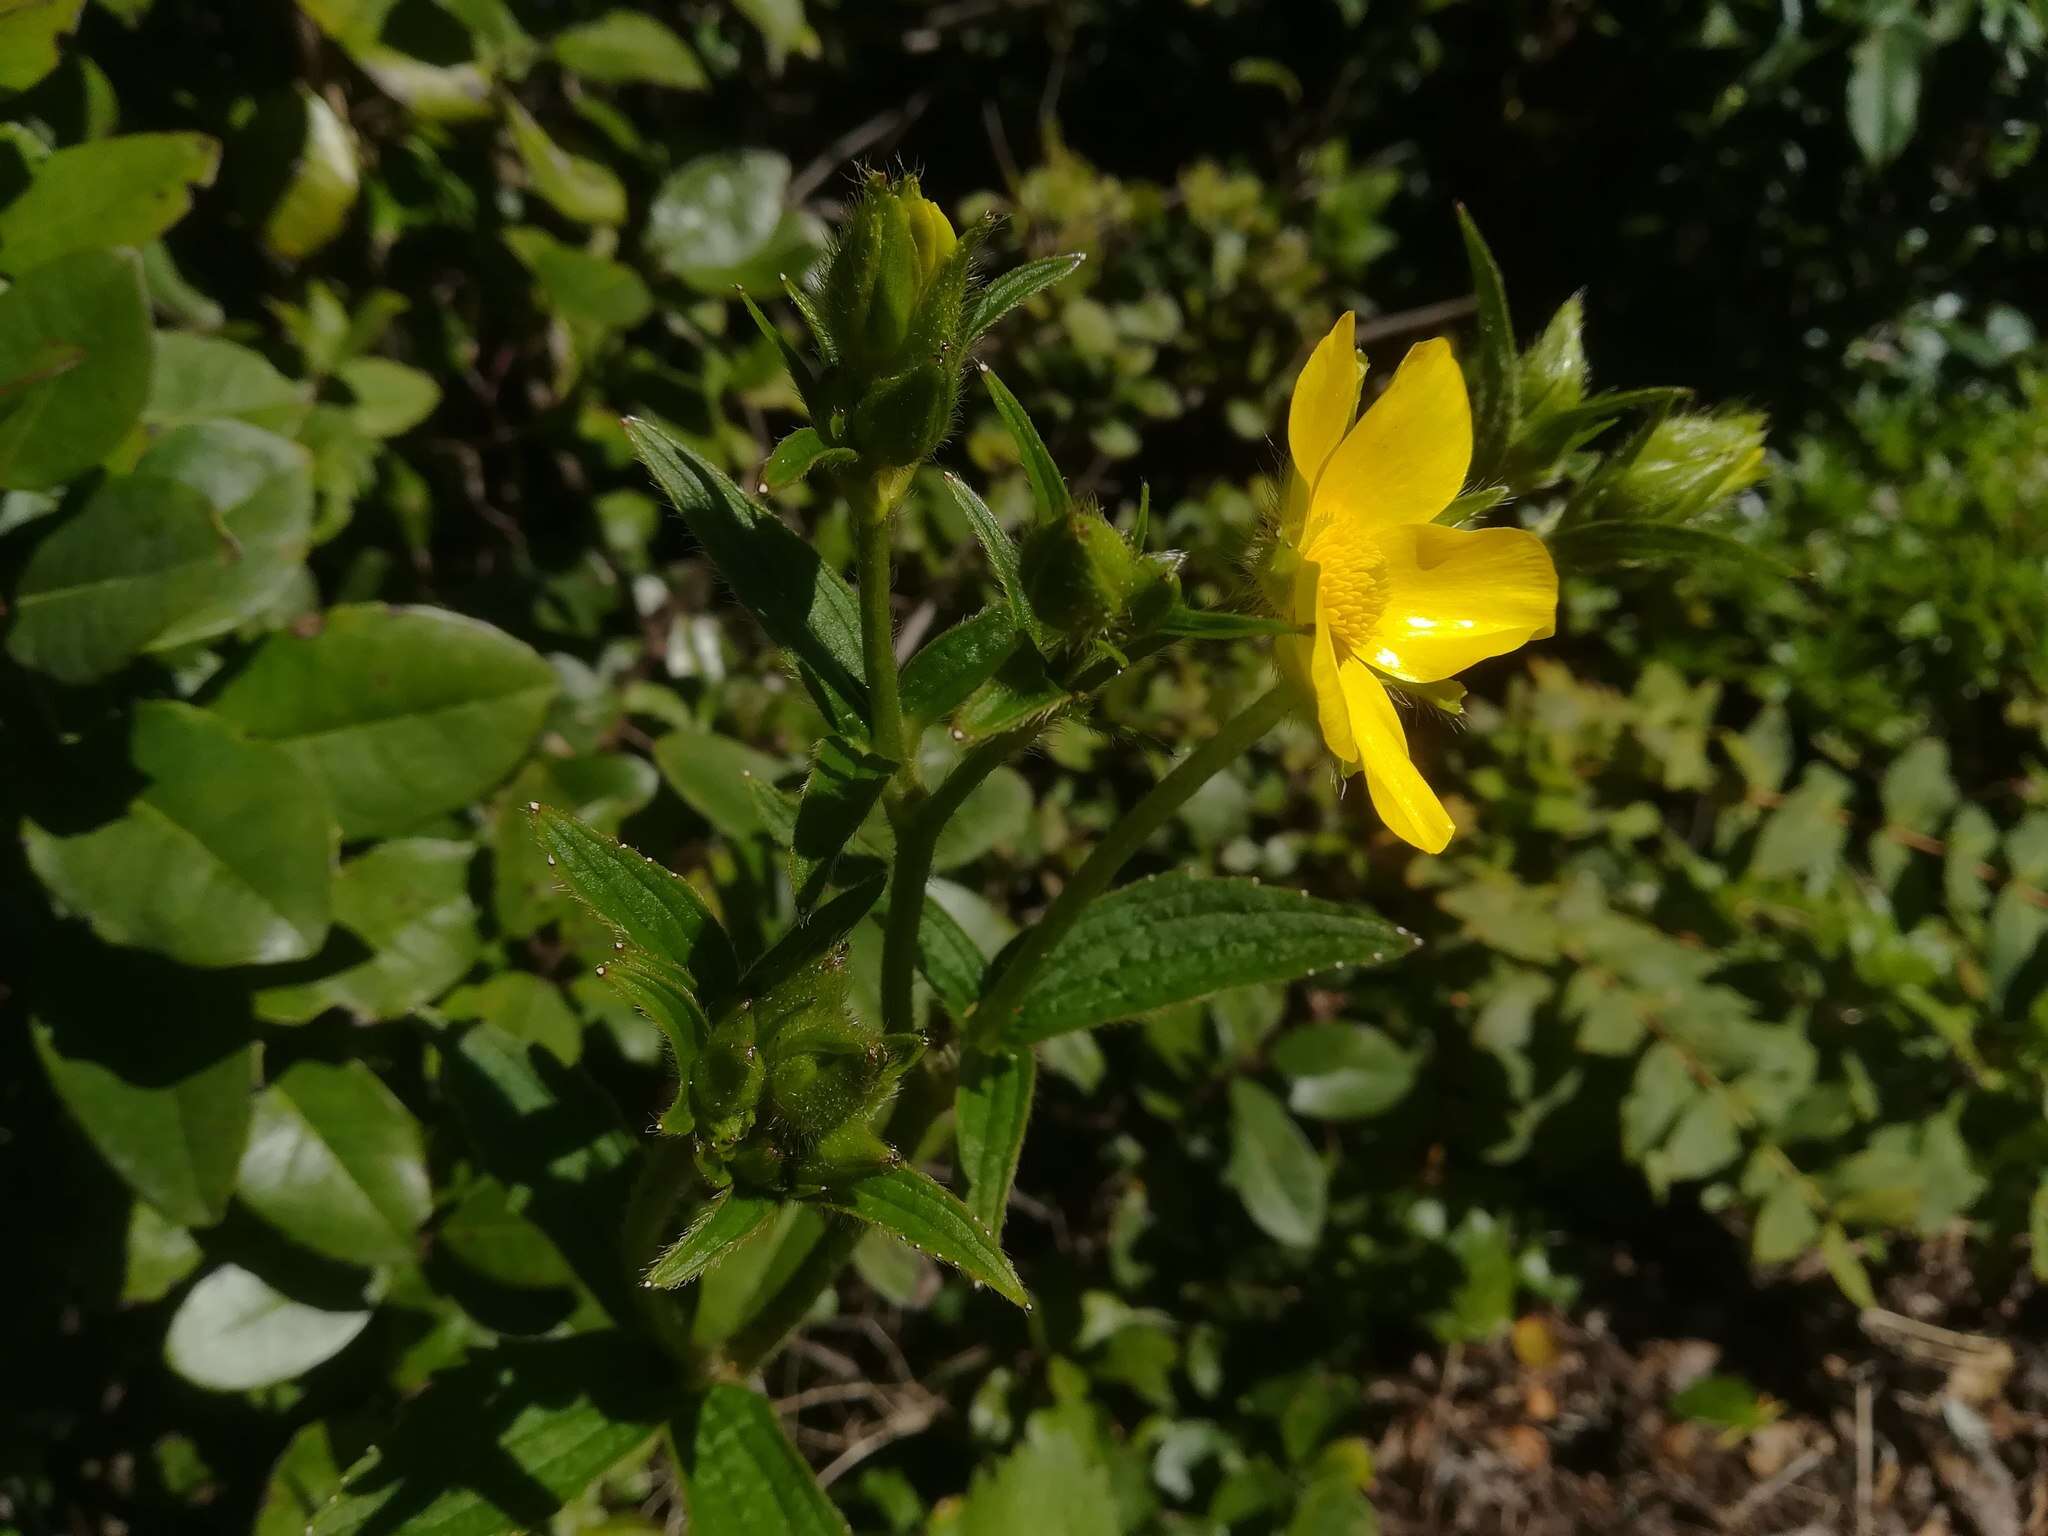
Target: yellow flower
1387	591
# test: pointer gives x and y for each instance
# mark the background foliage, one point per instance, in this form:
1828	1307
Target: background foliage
329	553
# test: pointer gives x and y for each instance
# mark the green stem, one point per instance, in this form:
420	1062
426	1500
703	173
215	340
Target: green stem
916	843
667	1173
871	507
792	1303
1099	871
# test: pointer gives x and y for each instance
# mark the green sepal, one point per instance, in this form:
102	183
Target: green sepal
801	453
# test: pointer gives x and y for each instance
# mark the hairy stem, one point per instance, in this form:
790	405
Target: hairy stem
1101	868
872	503
916	842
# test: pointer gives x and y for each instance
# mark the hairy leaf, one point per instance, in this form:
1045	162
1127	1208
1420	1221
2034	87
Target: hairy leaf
932	1220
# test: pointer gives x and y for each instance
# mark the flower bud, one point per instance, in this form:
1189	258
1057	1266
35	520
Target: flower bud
1084	581
1687	463
902	420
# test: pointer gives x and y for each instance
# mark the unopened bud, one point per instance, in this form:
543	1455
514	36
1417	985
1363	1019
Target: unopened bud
1687	463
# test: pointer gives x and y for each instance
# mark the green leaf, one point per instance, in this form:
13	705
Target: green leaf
622	47
1274	1169
206	534
403	713
1047	488
723	220
225	857
171	1116
996	811
204	378
797	455
845	784
1786	1226
319	185
90	307
1494	375
537	1123
582	288
125	190
501	1442
729	1221
950	959
933	1221
715	776
783	28
1343	1071
579	189
335	1162
949	667
1727	1401
1884	90
741	1475
732	1295
991	1112
233	1333
599	788
159	1258
1015	287
1210	624
805	606
408	902
31	33
304	1477
390	398
524	1007
489	1233
644	903
1000	549
1056	1481
1608	543
1175	938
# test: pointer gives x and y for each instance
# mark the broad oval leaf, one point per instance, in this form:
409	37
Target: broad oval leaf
234	1333
207	533
991	1113
1343	1071
805	606
717	777
646	904
742	1476
225	858
729	1221
75	351
171	1121
408	901
932	1220
1175	938
335	1162
578	188
403	713
1274	1169
124	190
723	220
622	46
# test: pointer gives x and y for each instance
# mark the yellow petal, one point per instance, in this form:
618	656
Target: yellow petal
1455	597
1406	459
1405	803
1325	396
1332	711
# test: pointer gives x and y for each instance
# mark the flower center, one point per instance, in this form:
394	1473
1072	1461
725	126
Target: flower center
1352	585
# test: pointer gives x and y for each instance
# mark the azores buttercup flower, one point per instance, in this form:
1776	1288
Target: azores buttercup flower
1386	592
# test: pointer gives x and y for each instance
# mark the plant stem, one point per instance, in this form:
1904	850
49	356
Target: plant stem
764	1334
916	842
872	504
1101	868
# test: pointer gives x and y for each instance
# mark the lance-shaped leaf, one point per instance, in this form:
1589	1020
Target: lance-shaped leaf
844	785
807	942
1175	938
805	606
997	544
553	1129
991	1112
1013	288
502	1441
1611	542
661	991
1493	377
1211	624
1047	488
947	670
647	905
932	1220
797	365
721	1227
742	1476
798	454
